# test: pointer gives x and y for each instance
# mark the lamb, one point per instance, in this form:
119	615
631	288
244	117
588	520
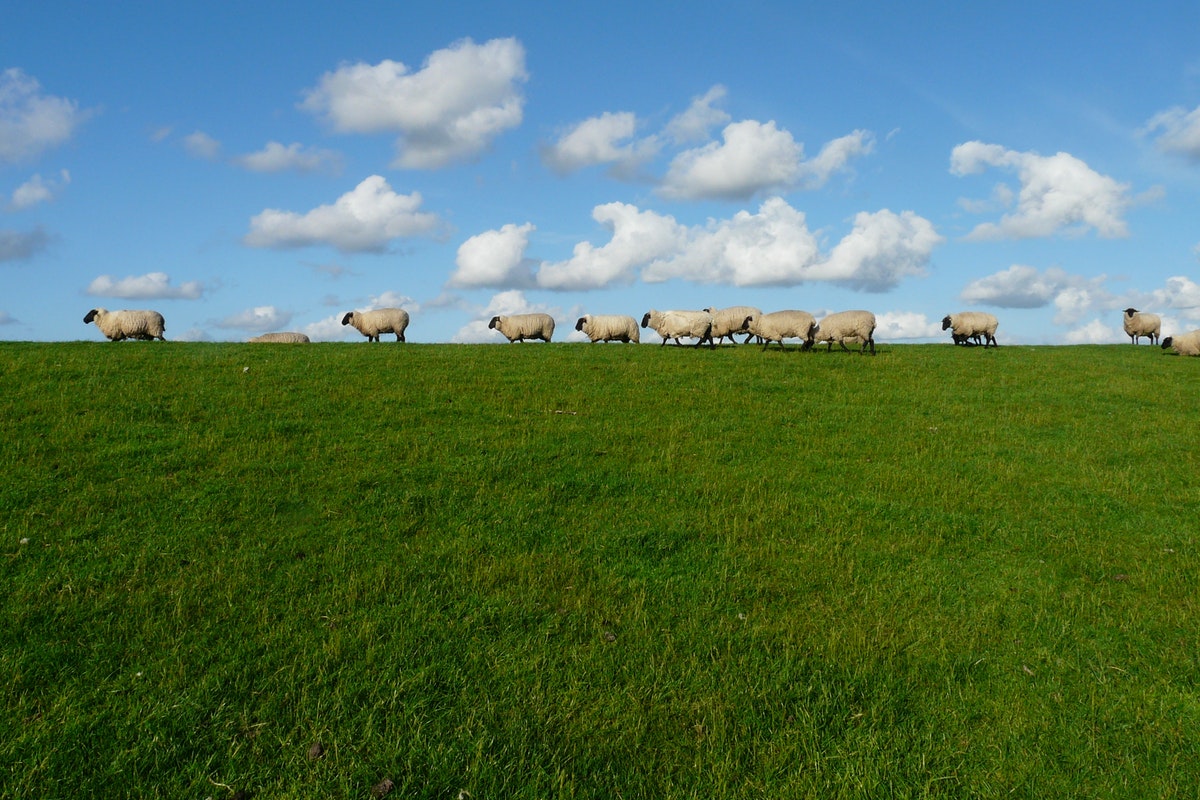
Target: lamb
609	328
118	325
681	324
854	326
728	321
283	337
382	320
1139	324
780	325
519	327
972	325
1185	344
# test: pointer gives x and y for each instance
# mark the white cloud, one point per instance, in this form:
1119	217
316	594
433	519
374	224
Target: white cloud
881	250
258	319
32	122
599	141
1059	193
753	158
150	285
463	97
276	157
36	190
834	157
1181	294
391	299
1095	332
494	258
365	219
510	302
694	124
906	325
637	238
1022	286
200	145
1180	131
22	245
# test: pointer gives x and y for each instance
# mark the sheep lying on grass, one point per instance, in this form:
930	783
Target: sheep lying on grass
728	321
1185	344
519	327
118	325
609	328
680	325
1138	324
848	326
282	337
972	325
382	320
780	325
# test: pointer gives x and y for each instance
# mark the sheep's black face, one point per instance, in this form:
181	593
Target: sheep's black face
492	325
745	324
91	315
1166	343
1129	312
349	316
946	322
579	324
646	320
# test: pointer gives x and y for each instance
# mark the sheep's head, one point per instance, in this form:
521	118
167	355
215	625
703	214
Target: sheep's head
91	315
346	320
946	322
745	326
579	324
646	320
1129	312
492	325
1166	342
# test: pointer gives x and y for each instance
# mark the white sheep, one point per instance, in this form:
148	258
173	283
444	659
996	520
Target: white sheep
972	325
680	324
1139	324
728	321
609	328
126	324
519	327
1185	344
844	326
282	337
780	325
382	320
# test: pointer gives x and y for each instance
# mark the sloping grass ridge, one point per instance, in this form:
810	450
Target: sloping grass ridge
536	571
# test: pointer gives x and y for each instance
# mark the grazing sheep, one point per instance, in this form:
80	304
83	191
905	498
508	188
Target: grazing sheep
382	320
1139	324
1185	344
728	321
780	325
118	325
844	326
609	328
681	324
972	325
519	327
283	337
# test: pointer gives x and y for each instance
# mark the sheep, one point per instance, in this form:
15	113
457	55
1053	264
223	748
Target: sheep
609	328
1185	344
382	320
680	324
519	327
728	321
284	337
780	325
1139	324
854	326
118	325
972	325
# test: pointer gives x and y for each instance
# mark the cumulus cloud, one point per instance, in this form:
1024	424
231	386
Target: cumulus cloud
1180	294
1095	332
462	98
694	124
258	319
36	190
906	325
365	219
1178	131
772	247
1059	193
32	122
1022	286
276	157
607	139
509	302
200	145
494	258
22	245
754	157
141	287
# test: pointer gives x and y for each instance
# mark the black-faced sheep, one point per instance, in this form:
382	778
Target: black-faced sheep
609	328
519	327
848	326
780	325
972	325
118	325
728	321
1185	344
382	320
1138	324
680	325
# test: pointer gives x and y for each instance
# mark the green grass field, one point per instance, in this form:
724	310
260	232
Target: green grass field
577	571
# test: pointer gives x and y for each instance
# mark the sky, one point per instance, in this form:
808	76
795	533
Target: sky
251	167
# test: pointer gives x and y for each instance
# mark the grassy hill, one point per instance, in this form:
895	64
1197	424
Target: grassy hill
597	571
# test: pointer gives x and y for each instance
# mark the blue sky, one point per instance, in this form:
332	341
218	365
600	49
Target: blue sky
254	167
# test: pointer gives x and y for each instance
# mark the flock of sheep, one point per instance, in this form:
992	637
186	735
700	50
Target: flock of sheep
710	325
